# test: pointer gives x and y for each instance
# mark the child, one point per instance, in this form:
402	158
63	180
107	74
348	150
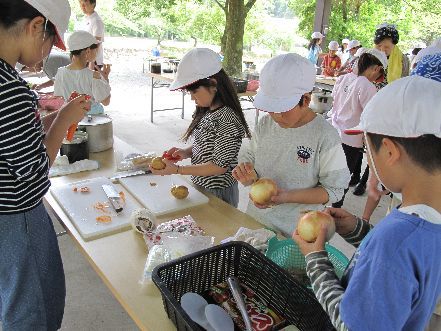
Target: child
331	62
217	128
347	67
294	146
32	286
78	77
351	93
394	279
314	47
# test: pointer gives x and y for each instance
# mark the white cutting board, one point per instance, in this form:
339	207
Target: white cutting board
79	207
158	198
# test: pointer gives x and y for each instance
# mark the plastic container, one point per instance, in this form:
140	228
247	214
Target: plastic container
240	84
199	271
287	254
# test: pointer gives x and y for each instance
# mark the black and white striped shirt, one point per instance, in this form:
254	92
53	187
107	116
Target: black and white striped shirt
24	163
217	138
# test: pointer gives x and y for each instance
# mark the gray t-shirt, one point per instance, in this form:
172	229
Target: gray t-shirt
296	158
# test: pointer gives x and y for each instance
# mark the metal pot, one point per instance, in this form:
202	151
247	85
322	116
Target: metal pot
321	102
100	131
77	149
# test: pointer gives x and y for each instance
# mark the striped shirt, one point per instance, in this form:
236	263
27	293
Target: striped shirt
217	139
24	163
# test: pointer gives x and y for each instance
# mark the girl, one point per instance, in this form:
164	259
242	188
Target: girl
217	128
314	47
32	287
351	93
78	77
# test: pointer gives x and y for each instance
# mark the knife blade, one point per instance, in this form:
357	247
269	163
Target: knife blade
124	174
113	196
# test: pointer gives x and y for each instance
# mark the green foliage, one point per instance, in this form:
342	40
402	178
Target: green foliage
357	19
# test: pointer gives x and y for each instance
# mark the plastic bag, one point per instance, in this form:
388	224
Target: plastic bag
136	161
158	254
185	225
179	245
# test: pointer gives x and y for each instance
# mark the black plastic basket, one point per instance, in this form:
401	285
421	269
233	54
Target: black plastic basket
199	271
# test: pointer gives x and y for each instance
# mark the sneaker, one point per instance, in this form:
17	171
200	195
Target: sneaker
354	181
359	189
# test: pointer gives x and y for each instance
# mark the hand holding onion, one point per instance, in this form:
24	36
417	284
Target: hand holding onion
262	192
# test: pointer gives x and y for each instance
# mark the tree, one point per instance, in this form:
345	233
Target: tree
236	12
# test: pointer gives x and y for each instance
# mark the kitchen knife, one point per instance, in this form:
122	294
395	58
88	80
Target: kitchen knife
124	174
113	196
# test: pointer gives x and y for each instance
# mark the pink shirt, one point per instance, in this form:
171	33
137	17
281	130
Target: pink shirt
351	93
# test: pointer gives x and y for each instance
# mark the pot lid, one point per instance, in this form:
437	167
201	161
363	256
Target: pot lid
95	120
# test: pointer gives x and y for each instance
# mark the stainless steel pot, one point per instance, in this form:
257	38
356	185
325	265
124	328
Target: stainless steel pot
100	131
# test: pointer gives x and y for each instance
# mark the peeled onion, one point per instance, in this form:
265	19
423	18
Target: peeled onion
262	191
309	225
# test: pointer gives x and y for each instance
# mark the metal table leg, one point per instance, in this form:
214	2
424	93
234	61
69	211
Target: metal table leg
151	102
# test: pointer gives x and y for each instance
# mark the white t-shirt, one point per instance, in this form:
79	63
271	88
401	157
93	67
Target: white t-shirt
82	81
95	26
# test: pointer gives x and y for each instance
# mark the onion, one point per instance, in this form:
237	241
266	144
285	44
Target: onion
262	191
309	225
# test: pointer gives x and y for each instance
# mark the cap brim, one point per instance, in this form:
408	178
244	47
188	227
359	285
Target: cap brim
60	42
274	104
354	131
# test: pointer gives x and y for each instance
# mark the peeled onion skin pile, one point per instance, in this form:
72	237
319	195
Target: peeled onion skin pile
262	191
310	223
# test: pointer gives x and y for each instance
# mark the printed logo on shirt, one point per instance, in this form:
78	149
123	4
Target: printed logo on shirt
304	153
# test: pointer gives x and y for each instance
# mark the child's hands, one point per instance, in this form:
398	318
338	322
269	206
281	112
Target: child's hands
170	168
317	246
245	173
344	221
373	188
177	154
75	110
104	71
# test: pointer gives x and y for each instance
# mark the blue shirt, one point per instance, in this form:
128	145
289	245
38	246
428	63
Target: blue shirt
394	279
313	54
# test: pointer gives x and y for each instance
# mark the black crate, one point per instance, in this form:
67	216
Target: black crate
199	271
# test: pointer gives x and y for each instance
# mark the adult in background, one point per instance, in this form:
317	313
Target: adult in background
314	47
386	40
94	25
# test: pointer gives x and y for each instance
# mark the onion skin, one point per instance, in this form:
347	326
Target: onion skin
262	191
309	225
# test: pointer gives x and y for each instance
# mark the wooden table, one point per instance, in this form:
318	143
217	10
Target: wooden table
119	258
325	83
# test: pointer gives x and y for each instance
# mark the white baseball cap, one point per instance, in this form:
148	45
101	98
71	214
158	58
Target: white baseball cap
353	44
380	55
316	35
81	40
58	13
333	46
360	51
345	41
283	81
431	50
405	108
199	63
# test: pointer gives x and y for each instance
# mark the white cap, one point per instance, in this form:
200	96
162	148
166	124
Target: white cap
353	44
431	50
345	41
80	40
436	43
283	81
404	108
58	13
380	55
199	63
316	35
333	46
360	51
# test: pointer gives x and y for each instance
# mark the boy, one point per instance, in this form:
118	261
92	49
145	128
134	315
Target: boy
78	77
331	62
94	25
292	145
394	279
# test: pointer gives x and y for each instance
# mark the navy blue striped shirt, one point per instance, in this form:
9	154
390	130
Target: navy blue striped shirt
24	163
